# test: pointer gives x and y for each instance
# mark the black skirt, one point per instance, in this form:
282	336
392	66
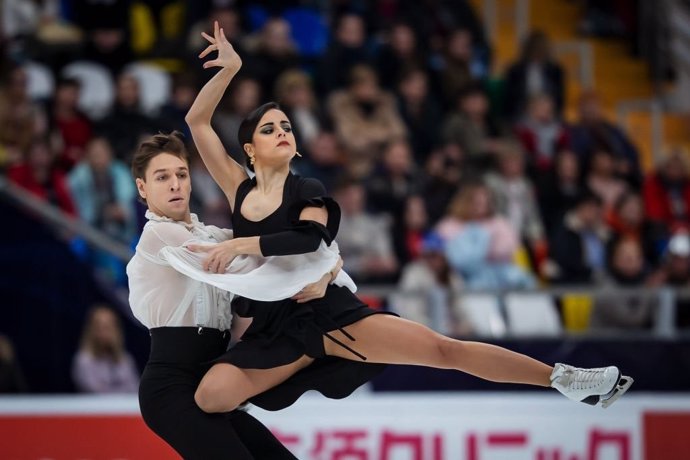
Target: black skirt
283	331
180	356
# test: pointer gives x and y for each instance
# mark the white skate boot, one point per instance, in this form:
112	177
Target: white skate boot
592	386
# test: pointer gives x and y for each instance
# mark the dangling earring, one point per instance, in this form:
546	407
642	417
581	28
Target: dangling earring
251	160
297	153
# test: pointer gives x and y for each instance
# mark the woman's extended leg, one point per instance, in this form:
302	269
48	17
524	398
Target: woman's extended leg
393	340
224	387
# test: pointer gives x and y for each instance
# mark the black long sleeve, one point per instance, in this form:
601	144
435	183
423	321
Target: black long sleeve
304	236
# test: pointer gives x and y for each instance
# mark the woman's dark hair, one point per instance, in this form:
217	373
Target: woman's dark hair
246	132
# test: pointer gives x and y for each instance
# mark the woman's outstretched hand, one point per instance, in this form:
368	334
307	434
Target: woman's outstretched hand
227	56
220	255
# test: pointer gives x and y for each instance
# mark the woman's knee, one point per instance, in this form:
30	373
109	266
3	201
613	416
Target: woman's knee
448	351
212	397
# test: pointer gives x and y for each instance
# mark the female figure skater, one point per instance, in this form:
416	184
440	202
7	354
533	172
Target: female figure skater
290	348
189	321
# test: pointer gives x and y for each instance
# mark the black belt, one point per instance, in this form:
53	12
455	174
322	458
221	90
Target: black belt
187	344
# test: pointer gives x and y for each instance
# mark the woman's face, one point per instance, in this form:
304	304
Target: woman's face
631	211
352	199
398	158
40	156
460	45
481	203
512	165
128	91
475	104
351	31
273	143
99	154
628	258
415	87
300	95
366	90
19	83
324	149
542	109
246	97
675	169
105	328
403	40
276	37
603	164
567	166
67	96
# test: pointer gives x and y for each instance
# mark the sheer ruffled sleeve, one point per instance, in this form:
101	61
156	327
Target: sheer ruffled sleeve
261	278
159	236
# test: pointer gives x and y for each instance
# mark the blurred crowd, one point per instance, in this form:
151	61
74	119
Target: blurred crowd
447	174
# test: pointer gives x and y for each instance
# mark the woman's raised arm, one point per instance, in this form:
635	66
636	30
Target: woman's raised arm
227	173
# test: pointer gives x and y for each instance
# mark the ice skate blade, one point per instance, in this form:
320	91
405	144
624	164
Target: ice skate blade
624	383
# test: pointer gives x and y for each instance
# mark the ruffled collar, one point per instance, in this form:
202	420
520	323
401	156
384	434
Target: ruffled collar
150	215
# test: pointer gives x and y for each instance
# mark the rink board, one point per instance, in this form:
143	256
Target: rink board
474	426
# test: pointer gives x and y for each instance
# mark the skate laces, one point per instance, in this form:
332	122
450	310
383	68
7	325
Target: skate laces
584	379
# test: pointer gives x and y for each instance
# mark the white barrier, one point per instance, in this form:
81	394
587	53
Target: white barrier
470	426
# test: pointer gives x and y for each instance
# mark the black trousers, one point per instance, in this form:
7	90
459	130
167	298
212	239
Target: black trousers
179	358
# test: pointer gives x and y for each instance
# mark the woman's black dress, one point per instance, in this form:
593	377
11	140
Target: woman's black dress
283	331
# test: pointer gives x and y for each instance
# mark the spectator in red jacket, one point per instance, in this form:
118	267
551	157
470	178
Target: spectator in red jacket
38	175
74	127
542	133
667	192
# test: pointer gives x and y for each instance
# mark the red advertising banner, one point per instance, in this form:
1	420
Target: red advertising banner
86	437
372	427
667	435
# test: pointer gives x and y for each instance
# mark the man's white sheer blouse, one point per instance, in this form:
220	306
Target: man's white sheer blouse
168	286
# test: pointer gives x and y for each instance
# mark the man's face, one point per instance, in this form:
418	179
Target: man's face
167	187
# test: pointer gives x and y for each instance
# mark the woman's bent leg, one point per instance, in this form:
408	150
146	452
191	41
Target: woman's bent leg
225	387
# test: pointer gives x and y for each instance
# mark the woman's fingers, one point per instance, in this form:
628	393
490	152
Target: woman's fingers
199	247
218	266
301	294
213	63
306	299
208	49
208	37
216	31
217	262
222	36
213	263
